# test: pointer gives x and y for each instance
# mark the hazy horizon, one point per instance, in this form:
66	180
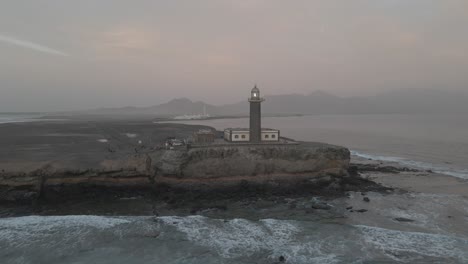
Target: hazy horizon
59	56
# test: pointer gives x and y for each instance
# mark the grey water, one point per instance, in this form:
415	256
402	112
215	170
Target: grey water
199	239
18	117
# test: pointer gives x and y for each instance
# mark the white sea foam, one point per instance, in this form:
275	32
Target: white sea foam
131	135
18	231
454	172
236	240
409	246
240	237
103	140
40	223
327	244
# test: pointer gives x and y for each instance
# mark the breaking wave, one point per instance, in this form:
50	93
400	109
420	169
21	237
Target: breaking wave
406	246
459	173
198	239
304	242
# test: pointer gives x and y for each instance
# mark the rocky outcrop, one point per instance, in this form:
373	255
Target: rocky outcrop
263	160
194	168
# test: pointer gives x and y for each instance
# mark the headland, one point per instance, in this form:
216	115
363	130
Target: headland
49	159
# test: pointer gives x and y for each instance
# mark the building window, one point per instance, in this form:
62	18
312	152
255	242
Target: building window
236	136
266	136
273	136
243	136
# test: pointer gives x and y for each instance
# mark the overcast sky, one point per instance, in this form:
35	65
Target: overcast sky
68	55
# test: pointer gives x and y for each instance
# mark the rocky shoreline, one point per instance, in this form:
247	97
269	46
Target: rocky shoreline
163	199
55	159
207	170
143	180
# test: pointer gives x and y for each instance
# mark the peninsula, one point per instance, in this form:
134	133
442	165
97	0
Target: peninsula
43	158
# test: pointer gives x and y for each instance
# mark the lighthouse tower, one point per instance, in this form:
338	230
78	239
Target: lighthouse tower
255	115
255	133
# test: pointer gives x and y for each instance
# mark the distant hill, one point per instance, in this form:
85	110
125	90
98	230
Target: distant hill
318	102
179	106
395	102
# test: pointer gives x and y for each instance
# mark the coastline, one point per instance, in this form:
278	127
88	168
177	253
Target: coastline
397	221
380	211
422	181
40	160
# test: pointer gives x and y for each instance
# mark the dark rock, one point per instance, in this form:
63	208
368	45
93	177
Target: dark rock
353	171
379	168
282	259
402	219
349	208
155	235
366	199
320	205
357	184
361	210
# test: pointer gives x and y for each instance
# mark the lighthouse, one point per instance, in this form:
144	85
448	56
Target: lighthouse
255	134
255	115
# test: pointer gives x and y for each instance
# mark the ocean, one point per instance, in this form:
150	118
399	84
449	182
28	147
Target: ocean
200	239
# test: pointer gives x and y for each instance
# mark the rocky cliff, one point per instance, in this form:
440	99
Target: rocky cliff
228	161
195	168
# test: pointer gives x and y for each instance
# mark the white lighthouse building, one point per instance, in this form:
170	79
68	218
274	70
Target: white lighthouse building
255	133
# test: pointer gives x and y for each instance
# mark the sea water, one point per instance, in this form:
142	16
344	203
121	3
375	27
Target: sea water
198	239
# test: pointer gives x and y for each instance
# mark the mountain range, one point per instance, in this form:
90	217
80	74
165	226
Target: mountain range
318	102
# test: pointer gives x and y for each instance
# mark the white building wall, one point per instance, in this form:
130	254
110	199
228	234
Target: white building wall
244	135
270	135
240	136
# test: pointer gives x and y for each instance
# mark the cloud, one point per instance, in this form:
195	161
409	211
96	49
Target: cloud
31	45
129	38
